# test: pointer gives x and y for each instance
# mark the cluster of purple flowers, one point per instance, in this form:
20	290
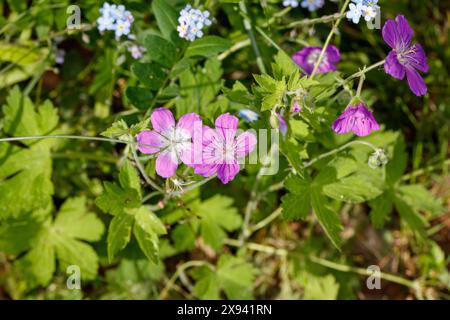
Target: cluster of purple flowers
191	23
208	151
115	18
405	59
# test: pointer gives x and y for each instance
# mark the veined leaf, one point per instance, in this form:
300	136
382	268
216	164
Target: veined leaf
208	46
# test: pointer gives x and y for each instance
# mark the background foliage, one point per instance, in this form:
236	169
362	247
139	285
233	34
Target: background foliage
310	235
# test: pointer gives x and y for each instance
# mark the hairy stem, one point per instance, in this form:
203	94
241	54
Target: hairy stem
334	151
181	269
330	35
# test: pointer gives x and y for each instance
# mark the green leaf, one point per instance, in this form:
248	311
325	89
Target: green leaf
119	233
116	198
18	235
76	222
217	216
420	199
207	286
284	66
381	208
198	88
318	287
233	275
166	17
119	130
398	162
356	188
129	178
147	228
183	237
160	50
328	219
296	206
139	97
271	91
208	46
150	74
59	238
236	277
25	173
414	220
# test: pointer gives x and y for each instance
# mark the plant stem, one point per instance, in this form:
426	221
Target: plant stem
306	22
248	28
364	71
266	220
60	136
143	173
334	151
330	35
420	172
257	247
251	206
360	84
363	272
192	187
181	269
237	46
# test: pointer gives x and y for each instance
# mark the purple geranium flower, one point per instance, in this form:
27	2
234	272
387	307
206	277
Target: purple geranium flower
357	119
308	56
172	142
222	149
404	58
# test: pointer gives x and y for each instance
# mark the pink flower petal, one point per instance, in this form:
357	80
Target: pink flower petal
416	82
206	170
227	172
245	143
149	142
166	164
189	122
226	126
162	119
393	67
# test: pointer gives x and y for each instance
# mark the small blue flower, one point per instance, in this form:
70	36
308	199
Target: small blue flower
354	12
248	115
115	18
191	23
312	5
290	3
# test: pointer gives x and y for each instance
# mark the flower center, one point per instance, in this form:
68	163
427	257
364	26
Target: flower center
313	57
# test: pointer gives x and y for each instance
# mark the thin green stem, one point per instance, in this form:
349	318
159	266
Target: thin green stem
143	173
181	269
306	22
344	268
330	35
428	169
364	71
334	151
237	46
61	136
360	84
266	220
268	39
249	29
191	187
257	247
